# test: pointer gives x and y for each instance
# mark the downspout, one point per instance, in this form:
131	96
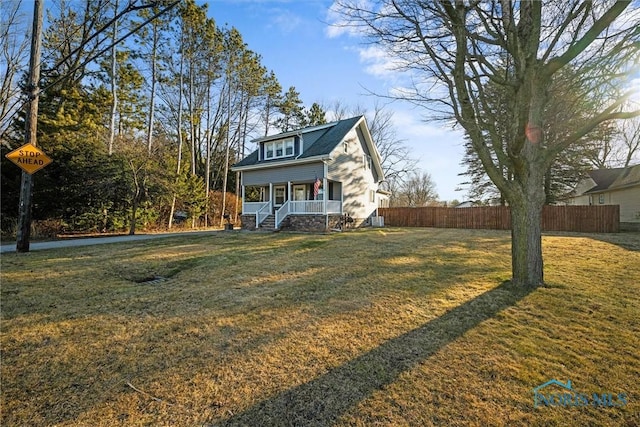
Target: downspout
301	142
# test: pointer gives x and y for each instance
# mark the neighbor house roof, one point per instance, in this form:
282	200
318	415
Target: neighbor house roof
317	140
628	177
611	179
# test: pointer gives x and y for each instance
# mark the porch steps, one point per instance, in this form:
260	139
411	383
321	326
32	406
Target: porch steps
269	223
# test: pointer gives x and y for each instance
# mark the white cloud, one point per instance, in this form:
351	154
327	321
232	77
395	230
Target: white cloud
378	63
285	21
339	24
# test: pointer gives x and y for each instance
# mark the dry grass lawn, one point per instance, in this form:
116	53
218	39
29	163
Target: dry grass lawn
402	327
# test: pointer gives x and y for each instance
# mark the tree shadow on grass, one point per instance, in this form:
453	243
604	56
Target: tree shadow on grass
321	401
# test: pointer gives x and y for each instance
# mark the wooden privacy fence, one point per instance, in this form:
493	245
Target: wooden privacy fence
592	219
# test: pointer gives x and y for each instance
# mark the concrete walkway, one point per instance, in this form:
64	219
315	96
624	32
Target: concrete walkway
69	243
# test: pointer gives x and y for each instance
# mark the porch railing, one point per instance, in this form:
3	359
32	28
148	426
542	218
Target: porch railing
263	213
306	207
252	207
282	212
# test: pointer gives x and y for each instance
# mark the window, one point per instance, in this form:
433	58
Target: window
346	147
366	160
299	192
276	149
280	197
288	147
372	196
601	199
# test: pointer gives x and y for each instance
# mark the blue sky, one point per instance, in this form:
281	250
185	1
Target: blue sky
297	43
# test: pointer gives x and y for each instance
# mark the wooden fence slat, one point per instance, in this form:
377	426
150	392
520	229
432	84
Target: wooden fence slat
586	219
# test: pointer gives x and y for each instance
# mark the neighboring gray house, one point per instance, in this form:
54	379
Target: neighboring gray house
309	178
617	186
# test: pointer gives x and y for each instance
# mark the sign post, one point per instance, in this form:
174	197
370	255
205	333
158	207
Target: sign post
30	127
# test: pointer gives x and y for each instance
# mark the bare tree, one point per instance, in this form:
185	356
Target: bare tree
13	51
418	189
630	141
395	155
455	47
621	145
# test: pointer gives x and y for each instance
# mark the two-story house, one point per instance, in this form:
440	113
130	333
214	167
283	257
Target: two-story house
311	178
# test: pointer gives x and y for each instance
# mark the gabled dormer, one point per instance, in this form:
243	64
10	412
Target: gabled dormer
280	148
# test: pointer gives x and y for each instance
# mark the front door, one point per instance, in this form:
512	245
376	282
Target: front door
280	195
299	193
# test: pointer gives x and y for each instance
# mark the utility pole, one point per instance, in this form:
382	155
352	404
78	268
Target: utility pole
31	127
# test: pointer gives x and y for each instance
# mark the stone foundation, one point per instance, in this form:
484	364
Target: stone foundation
248	221
316	223
304	222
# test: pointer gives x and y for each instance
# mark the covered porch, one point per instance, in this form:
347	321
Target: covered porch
279	200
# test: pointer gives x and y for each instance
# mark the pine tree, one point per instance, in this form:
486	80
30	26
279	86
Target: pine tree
272	91
291	111
316	115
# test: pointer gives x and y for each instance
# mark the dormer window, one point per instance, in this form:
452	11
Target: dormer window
277	149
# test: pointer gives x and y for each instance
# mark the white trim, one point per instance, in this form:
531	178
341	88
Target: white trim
279	145
273	164
284	195
294	132
325	195
373	149
270	196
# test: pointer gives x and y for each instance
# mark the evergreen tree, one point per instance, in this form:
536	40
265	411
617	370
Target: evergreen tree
291	111
272	92
316	115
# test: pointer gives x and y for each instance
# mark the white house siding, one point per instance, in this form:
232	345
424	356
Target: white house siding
357	182
580	198
627	198
305	172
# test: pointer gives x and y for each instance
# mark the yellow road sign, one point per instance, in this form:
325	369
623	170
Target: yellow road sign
29	157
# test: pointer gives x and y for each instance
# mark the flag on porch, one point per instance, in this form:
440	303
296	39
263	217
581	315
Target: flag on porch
316	188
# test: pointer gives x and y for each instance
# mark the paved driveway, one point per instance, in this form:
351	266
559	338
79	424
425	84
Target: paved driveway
68	243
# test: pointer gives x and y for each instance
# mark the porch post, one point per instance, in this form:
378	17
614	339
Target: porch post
289	192
325	194
271	197
242	193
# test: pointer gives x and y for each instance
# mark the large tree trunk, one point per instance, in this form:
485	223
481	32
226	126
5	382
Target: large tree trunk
526	243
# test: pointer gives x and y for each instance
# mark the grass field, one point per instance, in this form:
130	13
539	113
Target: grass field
402	327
